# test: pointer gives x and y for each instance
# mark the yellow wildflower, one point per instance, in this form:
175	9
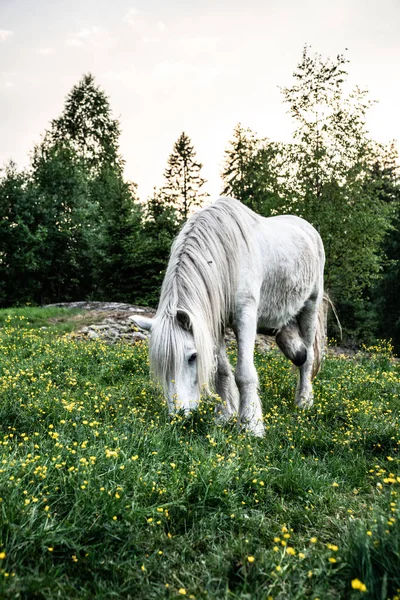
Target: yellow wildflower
356	584
251	559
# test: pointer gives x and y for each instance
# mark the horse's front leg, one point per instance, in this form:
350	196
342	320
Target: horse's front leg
225	386
250	413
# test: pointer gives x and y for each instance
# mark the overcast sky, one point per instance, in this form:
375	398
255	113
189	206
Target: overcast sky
183	65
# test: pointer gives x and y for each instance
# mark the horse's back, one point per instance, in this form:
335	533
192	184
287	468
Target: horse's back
290	262
291	227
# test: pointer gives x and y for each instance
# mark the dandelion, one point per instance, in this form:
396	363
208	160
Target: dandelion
332	547
290	550
251	559
356	584
2	555
313	540
182	591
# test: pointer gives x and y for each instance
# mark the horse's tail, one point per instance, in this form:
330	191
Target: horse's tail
321	333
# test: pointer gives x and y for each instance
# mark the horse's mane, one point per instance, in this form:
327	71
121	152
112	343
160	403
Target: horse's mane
200	282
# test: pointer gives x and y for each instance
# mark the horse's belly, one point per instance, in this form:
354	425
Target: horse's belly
268	323
275	312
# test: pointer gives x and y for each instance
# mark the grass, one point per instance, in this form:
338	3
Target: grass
58	319
102	496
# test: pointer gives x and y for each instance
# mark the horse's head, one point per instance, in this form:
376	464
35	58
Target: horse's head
173	359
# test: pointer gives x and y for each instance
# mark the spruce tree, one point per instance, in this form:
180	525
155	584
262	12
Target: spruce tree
68	221
92	221
87	125
182	189
160	226
21	238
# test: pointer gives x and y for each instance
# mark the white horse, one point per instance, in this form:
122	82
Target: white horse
231	267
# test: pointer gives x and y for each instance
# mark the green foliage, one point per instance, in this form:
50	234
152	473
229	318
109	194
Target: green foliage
252	171
71	227
121	222
102	495
183	182
21	238
331	184
86	124
387	291
69	221
159	228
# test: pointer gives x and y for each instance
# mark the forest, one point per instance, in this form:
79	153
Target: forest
73	228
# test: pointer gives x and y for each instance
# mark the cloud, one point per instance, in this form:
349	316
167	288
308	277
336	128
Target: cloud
199	75
125	76
133	16
144	23
195	44
9	84
93	36
5	34
45	51
150	39
74	42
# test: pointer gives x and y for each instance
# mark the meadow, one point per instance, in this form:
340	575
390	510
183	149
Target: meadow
103	496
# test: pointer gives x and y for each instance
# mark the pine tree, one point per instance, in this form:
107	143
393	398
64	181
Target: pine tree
160	226
386	291
121	237
86	124
182	189
68	220
90	210
21	237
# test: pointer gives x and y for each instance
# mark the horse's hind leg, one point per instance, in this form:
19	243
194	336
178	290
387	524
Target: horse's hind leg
225	386
307	320
250	413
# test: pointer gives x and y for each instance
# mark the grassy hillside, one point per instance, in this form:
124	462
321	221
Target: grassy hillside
102	496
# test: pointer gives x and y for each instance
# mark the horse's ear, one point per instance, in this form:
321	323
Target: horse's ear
142	322
184	320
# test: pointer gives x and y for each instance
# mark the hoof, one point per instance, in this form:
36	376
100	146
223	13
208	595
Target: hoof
223	415
305	402
255	428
